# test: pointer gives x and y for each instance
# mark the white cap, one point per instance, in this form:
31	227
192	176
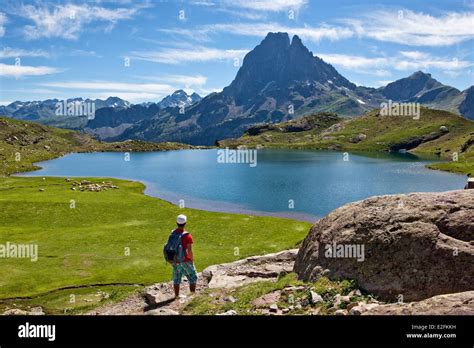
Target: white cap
181	219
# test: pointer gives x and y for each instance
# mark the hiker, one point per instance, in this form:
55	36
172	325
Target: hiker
179	252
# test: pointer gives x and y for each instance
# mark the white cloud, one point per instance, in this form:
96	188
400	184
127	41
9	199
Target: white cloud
266	5
23	70
252	15
309	33
132	92
305	33
186	80
257	5
415	28
403	27
423	61
383	83
353	62
3	21
67	21
132	97
184	55
206	3
154	88
83	53
8	52
404	61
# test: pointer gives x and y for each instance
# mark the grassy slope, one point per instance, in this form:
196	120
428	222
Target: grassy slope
35	142
381	132
86	245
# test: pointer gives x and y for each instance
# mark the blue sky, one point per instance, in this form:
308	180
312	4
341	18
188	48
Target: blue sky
81	49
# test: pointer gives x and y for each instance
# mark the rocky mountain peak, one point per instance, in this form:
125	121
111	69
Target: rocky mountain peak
282	63
178	98
410	87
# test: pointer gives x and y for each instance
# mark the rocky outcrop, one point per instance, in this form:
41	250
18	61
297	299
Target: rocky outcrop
451	304
29	311
250	270
413	142
319	121
407	247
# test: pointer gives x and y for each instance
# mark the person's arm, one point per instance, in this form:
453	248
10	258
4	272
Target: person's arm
189	252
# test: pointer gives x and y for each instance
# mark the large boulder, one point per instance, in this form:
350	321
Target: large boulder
417	245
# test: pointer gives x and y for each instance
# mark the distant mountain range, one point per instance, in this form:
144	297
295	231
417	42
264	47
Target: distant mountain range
113	112
38	110
279	80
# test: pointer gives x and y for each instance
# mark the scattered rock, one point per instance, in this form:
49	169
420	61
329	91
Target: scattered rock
358	138
345	299
230	299
267	299
230	312
362	308
293	288
316	298
444	129
352	305
17	311
356	310
273	308
340	312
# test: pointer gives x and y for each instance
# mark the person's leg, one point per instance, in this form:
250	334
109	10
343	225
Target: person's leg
177	275
176	290
190	273
192	287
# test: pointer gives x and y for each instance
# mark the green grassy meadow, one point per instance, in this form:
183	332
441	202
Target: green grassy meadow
113	237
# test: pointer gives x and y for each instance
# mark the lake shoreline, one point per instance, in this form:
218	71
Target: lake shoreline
259	193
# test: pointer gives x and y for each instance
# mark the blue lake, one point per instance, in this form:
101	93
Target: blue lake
300	184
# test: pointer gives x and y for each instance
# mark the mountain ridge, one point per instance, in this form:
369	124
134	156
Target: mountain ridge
279	80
